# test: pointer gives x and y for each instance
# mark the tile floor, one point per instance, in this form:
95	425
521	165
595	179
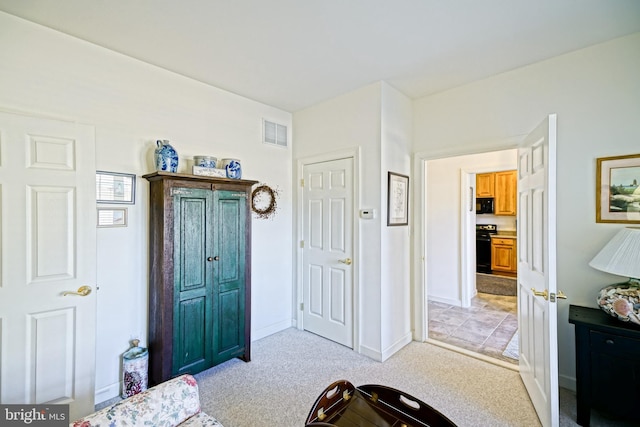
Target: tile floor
486	327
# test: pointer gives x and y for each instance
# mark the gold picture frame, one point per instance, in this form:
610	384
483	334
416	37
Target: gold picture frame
618	189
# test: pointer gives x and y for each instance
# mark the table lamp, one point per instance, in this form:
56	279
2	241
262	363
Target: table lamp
621	256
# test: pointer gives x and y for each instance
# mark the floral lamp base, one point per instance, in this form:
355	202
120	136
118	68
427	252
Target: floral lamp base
622	301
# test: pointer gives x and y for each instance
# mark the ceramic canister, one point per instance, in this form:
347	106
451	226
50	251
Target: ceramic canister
233	168
205	161
166	156
134	370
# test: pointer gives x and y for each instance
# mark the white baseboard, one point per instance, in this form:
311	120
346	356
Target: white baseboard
567	382
270	330
395	347
370	353
106	393
455	302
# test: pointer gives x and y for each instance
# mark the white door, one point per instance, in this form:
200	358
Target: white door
537	269
327	250
48	246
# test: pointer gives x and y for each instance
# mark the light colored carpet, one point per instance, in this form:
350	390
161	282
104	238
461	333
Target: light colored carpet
290	369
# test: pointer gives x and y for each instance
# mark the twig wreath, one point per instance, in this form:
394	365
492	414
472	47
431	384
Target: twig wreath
263	201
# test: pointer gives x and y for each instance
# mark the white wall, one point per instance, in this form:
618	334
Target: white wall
395	246
375	121
131	104
352	122
443	229
596	94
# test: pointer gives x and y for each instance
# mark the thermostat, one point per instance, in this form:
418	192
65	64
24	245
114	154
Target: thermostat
367	213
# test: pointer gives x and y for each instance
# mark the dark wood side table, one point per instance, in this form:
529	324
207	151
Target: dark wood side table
607	365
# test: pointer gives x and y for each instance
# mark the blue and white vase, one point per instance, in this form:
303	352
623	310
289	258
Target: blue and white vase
233	168
166	157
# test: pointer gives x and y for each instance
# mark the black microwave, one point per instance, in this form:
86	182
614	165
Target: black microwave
484	205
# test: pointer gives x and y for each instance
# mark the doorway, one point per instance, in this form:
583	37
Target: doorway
467	311
327	249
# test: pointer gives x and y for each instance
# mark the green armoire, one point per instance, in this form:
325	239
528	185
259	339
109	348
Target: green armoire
199	273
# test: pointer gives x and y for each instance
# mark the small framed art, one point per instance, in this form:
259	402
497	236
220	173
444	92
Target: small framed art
114	187
112	217
398	199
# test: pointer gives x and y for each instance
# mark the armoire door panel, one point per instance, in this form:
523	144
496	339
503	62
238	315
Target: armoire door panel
192	348
230	231
193	241
230	320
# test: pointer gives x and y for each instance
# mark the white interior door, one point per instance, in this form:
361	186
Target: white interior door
327	250
537	269
48	246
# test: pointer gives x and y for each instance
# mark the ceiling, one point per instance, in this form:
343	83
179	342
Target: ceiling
292	54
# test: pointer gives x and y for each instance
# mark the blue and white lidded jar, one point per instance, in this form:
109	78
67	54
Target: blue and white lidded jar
205	161
233	168
166	157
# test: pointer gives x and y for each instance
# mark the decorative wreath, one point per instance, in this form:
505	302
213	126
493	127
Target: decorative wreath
263	201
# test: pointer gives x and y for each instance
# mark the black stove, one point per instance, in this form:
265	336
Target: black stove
483	246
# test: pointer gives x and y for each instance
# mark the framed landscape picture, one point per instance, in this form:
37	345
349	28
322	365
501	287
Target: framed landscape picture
617	189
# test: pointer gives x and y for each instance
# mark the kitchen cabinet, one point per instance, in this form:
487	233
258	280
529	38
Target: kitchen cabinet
607	368
504	255
485	184
506	193
199	273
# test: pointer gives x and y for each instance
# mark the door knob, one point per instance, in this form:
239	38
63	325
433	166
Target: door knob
346	261
215	258
544	294
82	291
561	295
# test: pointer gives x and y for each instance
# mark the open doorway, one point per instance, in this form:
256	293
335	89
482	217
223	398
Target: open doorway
472	302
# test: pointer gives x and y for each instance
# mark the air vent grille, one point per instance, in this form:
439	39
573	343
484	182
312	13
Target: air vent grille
274	133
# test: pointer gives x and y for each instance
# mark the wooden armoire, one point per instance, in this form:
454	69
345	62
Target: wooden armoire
199	273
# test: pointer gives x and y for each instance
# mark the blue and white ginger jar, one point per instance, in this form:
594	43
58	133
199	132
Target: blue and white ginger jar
233	168
166	157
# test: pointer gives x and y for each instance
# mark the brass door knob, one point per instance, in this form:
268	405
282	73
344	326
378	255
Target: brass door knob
346	261
82	291
544	294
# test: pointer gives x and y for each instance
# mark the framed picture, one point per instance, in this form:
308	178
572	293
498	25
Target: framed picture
114	187
398	199
617	190
112	217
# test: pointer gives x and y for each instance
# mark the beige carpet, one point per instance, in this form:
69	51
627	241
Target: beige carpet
291	368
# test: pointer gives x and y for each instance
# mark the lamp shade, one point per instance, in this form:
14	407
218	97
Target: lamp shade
621	255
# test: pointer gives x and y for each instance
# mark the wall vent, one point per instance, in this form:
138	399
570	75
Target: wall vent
274	133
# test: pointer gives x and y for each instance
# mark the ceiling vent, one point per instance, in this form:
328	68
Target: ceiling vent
274	133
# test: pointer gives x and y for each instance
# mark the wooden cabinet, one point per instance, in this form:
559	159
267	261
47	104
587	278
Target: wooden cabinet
199	272
607	367
485	184
506	193
504	255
